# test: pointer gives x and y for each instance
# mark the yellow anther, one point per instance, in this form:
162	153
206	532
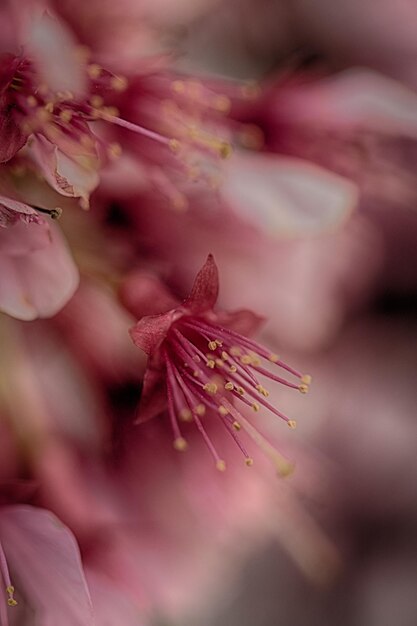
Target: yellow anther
219	343
65	95
65	116
223	411
274	358
303	388
246	359
233	369
221	465
178	86
292	424
114	150
211	364
240	391
219	363
212	345
235	351
11	600
119	83
252	137
225	149
249	461
55	213
174	145
196	358
225	356
255	407
96	101
306	379
94	70
196	373
86	141
111	111
180	444
262	390
185	415
31	100
210	388
285	469
251	90
229	386
222	103
49	107
236	425
200	409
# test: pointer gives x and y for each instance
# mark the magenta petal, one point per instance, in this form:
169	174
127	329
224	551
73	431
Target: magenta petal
44	557
151	330
205	290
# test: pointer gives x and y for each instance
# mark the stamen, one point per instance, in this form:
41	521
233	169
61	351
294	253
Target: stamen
113	119
54	214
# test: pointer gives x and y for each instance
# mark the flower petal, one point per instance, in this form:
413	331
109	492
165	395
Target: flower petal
151	330
36	281
205	290
45	559
287	196
355	97
65	174
12	211
54	51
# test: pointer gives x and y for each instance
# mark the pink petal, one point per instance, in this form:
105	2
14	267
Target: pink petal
62	172
45	558
356	97
151	330
12	211
111	606
287	196
35	281
54	50
205	290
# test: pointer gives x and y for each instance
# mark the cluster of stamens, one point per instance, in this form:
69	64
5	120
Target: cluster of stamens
189	122
203	382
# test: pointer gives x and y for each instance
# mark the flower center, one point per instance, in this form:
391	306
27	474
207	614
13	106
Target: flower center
213	382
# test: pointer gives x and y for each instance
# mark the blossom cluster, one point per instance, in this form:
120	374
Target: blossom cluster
129	410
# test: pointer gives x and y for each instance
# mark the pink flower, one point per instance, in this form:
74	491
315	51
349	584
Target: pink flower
200	365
